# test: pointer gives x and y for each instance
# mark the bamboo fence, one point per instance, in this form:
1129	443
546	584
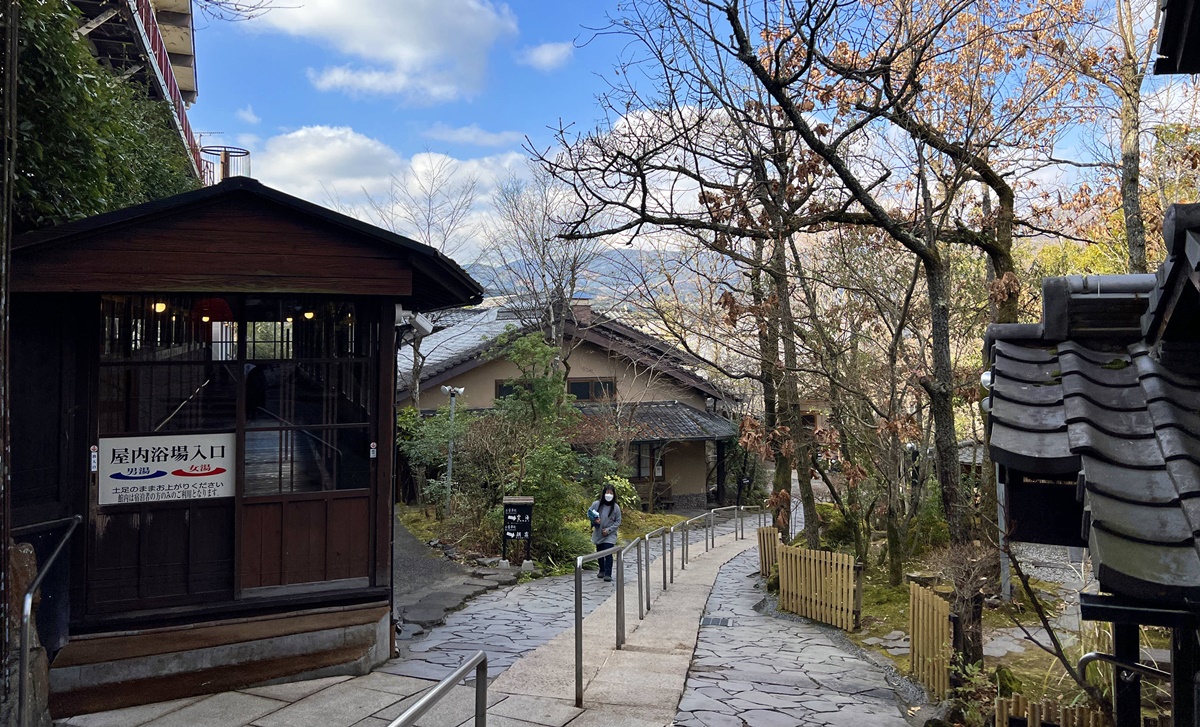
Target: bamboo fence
930	640
818	585
1017	708
768	539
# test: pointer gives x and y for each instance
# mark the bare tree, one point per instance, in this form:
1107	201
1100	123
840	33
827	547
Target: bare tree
432	201
236	9
794	117
529	260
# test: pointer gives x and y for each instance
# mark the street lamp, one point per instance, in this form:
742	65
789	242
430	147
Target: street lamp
453	392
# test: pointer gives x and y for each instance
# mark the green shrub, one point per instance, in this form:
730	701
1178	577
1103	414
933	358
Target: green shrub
627	495
929	530
835	531
87	141
563	544
773	579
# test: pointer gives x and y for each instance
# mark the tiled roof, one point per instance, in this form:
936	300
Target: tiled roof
663	421
469	334
1129	430
468	338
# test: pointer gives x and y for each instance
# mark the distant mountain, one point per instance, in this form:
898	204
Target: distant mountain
610	277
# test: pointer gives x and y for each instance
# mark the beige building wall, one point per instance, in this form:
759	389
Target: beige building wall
685	466
587	362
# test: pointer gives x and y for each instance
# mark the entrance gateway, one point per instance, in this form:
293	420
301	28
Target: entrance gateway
207	380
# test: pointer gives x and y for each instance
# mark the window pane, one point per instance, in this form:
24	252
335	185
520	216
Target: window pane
161	364
286	461
309	363
581	390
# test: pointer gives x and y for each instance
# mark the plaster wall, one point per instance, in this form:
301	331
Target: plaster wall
634	383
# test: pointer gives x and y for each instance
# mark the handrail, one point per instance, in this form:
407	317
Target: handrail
738	532
619	552
27	605
579	561
182	404
478	662
637	543
1142	669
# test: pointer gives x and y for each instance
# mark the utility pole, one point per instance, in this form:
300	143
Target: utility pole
453	392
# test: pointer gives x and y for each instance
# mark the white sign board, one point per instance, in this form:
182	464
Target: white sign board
169	467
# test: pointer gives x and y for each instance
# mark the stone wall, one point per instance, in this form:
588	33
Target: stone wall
691	501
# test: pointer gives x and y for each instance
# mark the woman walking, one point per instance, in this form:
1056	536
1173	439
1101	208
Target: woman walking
606	518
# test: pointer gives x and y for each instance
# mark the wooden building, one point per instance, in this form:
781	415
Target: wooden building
629	386
207	380
1095	433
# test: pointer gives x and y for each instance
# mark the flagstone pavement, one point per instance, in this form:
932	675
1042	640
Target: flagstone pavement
752	670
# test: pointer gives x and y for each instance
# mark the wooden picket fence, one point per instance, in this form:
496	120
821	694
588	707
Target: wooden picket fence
930	640
818	585
768	538
1019	711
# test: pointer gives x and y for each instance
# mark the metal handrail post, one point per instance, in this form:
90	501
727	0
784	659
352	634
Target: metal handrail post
710	533
663	537
637	555
672	531
646	555
579	561
27	612
683	550
579	632
620	600
478	662
739	532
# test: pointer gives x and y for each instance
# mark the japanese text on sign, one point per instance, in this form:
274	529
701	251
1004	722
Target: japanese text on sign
518	519
179	467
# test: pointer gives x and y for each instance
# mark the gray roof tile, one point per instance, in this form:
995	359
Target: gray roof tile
665	421
1134	429
1153	487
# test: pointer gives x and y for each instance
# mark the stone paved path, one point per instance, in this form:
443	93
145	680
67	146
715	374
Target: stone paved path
761	671
516	621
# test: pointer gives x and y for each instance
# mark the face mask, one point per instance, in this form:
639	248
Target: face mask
608	497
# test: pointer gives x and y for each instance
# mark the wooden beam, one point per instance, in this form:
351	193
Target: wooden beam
94	23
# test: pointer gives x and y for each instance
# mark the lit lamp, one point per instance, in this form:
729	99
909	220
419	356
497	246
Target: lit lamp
453	392
160	307
308	315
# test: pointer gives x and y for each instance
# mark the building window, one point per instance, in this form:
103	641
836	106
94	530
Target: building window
591	389
505	388
646	460
293	376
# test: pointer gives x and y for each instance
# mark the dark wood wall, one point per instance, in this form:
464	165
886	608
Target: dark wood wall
159	555
50	435
238	245
305	539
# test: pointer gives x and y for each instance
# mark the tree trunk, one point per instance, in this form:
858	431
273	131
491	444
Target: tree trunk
940	389
793	417
1007	282
1131	159
896	547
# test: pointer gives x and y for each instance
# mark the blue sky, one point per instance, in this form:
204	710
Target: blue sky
339	94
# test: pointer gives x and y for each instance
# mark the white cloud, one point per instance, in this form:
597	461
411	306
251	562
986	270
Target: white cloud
474	135
547	56
425	50
309	161
247	114
341	168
